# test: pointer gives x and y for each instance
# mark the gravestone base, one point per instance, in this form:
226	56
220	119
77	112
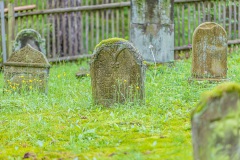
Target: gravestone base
155	44
208	79
152	64
25	78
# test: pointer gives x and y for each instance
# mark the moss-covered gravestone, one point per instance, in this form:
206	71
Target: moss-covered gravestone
117	72
216	124
26	69
152	29
209	54
31	37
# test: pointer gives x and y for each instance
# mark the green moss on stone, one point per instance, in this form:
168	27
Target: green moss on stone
216	93
139	3
110	41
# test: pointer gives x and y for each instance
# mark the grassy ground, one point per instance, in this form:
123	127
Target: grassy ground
65	124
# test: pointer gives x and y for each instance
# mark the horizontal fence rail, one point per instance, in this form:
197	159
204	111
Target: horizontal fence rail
72	28
23	8
74	9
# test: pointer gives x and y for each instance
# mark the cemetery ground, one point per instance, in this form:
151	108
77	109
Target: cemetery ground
65	124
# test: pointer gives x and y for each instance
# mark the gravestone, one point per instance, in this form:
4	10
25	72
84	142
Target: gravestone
31	37
152	29
209	52
216	124
117	73
26	69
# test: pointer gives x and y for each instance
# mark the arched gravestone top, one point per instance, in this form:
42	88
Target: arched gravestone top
31	37
209	52
28	55
117	72
215	124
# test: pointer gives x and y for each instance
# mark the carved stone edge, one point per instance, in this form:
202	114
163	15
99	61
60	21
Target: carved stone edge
9	62
127	44
28	31
217	25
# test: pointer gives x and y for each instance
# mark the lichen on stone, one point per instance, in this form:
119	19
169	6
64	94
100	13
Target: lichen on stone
216	93
139	6
110	41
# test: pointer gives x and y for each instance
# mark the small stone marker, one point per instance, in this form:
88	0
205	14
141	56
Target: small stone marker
117	72
31	37
209	50
26	69
83	72
216	124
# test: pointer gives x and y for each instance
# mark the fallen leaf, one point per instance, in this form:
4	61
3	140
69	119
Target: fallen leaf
29	155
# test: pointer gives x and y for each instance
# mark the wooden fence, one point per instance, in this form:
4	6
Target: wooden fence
72	28
190	13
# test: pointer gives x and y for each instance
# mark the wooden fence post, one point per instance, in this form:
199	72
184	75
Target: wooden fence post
11	21
3	31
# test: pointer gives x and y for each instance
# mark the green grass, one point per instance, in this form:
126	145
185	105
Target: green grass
65	124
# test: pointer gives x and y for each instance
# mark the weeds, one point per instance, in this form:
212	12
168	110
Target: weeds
65	124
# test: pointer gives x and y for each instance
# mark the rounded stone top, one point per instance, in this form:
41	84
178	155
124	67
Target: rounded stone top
216	93
110	41
28	32
28	55
116	45
208	26
29	36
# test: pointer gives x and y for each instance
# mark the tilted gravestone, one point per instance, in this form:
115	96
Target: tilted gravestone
26	69
117	72
209	52
216	124
152	29
31	37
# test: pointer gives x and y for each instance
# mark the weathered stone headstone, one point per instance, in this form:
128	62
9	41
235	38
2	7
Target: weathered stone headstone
209	52
26	69
216	124
152	29
31	37
117	72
